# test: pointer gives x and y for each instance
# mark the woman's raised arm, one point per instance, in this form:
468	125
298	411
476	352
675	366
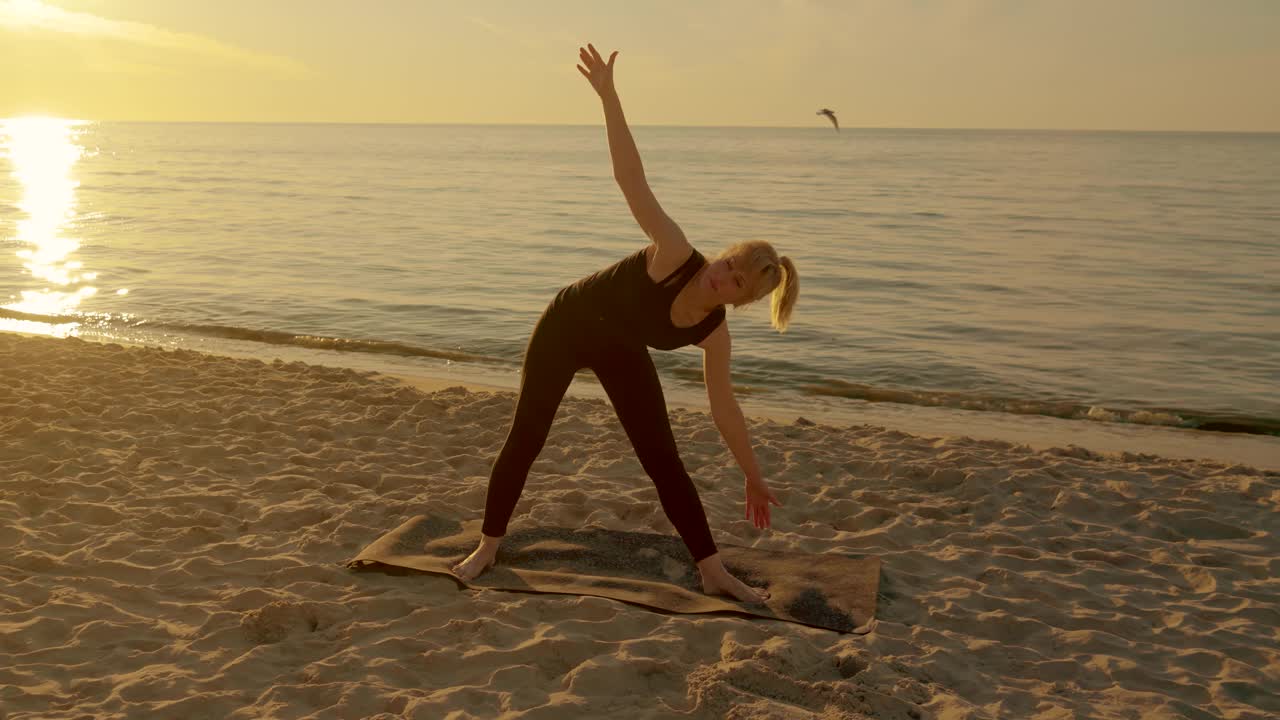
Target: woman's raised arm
627	168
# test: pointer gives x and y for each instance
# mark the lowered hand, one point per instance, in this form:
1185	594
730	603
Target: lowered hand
759	497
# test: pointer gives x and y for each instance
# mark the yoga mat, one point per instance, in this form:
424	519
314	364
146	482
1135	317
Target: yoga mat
828	590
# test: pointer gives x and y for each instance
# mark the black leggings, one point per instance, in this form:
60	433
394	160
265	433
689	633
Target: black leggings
564	341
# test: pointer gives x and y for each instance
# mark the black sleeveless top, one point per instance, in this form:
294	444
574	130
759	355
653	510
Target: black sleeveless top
635	308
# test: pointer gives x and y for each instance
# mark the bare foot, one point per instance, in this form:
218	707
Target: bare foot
481	559
716	580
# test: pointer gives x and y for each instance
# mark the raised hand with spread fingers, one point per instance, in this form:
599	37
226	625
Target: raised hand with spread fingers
598	72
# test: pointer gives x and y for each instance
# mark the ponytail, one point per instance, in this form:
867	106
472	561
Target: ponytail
783	301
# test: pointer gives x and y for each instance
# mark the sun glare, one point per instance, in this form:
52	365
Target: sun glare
22	13
41	153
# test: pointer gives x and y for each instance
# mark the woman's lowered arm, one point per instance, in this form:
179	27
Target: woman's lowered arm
732	425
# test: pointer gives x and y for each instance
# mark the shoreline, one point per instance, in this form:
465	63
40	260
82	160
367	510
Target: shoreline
1034	431
1038	432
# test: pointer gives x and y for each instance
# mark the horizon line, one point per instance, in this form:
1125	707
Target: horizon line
654	125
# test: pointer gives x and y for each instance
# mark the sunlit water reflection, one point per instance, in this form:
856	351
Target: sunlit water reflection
42	153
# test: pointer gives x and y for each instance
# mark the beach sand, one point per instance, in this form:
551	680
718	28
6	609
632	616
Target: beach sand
175	525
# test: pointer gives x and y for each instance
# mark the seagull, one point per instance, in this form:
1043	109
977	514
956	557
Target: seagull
831	115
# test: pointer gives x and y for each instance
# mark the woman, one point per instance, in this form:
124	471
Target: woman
664	296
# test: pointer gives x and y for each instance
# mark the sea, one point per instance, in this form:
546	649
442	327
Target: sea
1119	281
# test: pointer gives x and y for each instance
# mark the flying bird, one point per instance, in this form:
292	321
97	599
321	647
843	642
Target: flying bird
831	115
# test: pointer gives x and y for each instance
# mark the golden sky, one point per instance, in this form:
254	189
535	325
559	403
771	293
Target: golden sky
1087	64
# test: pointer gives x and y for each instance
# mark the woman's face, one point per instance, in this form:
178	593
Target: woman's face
726	281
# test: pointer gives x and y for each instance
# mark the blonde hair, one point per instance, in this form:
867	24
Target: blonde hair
766	273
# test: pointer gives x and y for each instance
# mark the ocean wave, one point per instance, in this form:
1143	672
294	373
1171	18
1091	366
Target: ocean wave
269	337
750	383
1066	409
325	342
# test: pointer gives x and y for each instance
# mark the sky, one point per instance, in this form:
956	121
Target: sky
1054	64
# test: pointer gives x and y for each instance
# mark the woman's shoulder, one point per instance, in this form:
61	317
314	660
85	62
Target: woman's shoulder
662	260
681	251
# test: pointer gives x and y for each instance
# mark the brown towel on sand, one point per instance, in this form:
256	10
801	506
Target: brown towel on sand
836	592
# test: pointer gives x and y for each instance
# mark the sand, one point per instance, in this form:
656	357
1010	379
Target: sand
174	527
